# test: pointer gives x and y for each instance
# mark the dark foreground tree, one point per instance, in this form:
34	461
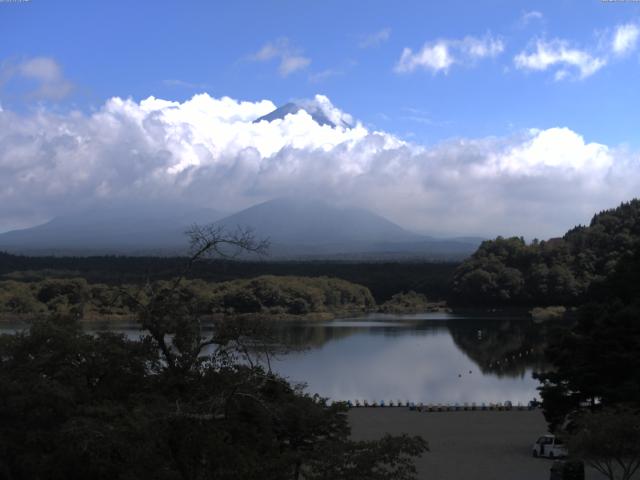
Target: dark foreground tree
592	397
609	441
181	402
596	361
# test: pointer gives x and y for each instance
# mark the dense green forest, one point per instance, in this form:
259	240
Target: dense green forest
598	357
560	271
266	294
383	279
592	395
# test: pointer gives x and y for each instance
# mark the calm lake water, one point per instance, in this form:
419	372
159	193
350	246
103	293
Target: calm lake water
431	357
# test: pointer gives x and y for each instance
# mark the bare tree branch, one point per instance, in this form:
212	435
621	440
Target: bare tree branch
166	312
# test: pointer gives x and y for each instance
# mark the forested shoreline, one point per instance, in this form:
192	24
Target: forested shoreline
268	295
273	297
505	273
559	271
383	279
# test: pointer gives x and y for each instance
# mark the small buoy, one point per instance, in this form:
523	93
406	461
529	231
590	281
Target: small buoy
470	372
459	375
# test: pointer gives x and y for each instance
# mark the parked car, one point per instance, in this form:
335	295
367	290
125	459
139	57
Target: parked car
549	446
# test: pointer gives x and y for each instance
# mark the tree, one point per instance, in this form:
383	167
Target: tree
389	458
609	441
596	360
558	271
71	404
178	404
169	311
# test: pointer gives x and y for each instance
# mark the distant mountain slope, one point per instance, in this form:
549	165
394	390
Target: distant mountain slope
304	228
313	222
297	229
315	110
111	229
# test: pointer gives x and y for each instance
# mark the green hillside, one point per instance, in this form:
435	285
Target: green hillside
509	271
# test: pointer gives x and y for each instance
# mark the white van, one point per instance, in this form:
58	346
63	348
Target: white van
549	446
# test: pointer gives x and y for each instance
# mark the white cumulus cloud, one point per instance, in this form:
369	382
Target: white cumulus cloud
625	39
440	55
560	55
208	151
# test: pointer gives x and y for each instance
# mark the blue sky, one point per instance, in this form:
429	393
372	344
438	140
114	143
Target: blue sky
173	49
485	117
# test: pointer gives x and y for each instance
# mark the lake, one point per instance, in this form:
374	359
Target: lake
430	357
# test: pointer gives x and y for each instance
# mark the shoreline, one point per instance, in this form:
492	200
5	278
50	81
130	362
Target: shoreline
435	307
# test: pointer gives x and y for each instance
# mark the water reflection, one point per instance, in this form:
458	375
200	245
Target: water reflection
428	357
431	357
507	347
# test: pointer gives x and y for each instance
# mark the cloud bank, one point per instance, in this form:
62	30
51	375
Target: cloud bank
209	152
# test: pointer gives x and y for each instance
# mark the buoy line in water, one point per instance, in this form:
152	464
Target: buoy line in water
444	407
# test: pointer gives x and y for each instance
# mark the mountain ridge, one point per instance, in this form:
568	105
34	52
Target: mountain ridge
314	108
297	228
110	229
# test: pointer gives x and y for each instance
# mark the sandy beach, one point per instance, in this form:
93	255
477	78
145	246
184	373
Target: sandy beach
466	445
